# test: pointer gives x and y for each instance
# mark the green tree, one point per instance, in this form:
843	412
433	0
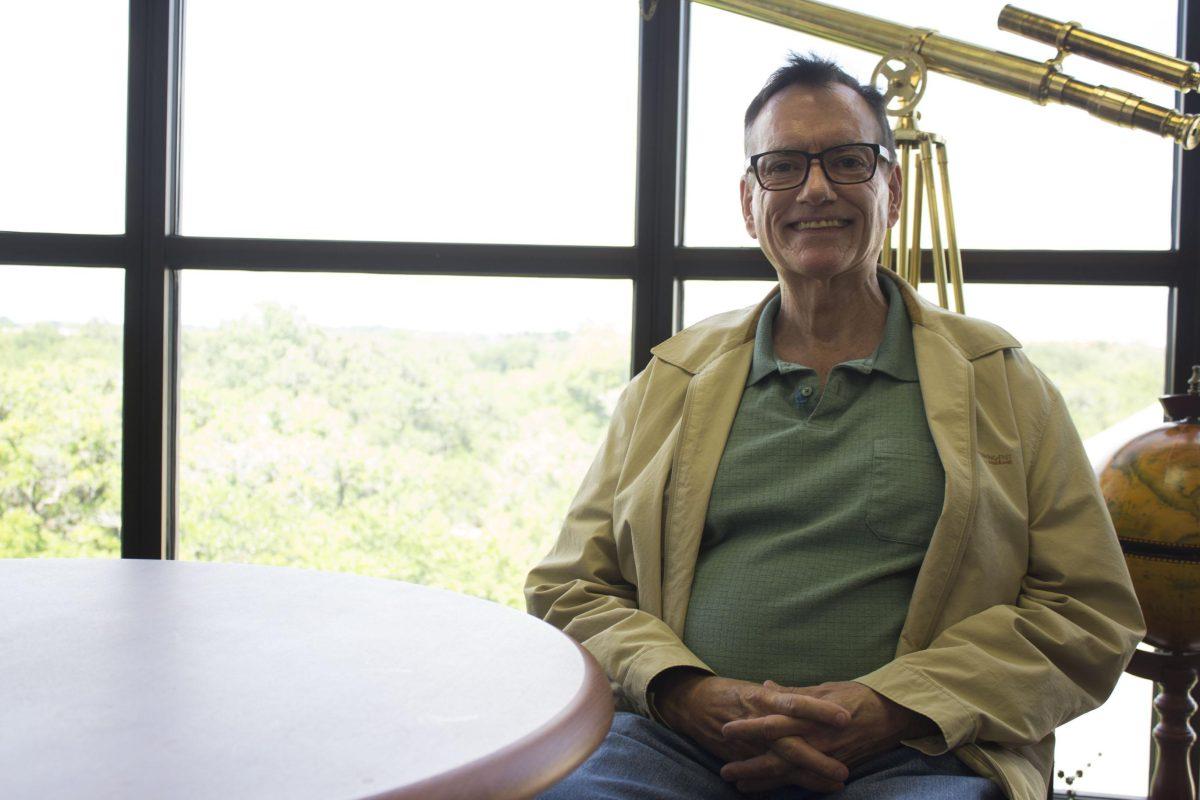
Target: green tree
1102	382
60	457
440	459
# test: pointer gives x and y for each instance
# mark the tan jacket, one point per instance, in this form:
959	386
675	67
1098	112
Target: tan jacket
1023	615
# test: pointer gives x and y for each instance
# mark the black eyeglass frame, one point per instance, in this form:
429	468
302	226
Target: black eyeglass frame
879	150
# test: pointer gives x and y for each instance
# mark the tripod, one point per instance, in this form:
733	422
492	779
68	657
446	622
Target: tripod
905	75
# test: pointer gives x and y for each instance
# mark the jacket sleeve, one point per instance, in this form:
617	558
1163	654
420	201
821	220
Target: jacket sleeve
1013	673
589	590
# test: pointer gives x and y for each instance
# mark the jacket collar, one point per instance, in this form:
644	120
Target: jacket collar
693	348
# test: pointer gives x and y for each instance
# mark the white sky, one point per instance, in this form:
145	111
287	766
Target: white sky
423	303
426	303
63	75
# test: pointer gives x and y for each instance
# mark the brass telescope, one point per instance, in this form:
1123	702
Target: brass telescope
1041	82
1071	37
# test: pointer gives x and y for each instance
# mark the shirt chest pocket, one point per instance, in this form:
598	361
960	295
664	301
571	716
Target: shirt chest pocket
907	487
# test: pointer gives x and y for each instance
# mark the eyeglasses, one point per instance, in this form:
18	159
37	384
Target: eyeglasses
777	170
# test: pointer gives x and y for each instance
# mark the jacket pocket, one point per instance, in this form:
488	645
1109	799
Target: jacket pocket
907	490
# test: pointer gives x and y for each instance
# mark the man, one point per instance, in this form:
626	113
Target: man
844	541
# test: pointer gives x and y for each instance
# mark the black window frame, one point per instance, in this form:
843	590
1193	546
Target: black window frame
151	252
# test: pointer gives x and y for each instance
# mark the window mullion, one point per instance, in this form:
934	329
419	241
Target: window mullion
657	224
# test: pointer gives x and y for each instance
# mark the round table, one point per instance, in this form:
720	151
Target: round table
155	679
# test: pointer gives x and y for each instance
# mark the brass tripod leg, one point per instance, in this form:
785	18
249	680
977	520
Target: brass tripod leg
914	259
956	277
905	191
935	228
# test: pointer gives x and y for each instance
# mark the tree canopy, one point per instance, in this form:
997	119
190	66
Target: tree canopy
440	459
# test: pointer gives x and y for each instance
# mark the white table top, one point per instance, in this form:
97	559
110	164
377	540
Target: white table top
128	679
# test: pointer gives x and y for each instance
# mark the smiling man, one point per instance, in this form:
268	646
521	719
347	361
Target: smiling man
796	554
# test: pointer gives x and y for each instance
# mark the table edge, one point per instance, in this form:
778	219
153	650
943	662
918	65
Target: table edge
534	762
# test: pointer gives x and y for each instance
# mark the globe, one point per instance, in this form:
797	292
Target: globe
1152	486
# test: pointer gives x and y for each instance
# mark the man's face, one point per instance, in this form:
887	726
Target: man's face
794	226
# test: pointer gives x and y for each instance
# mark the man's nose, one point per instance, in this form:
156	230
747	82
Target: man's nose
817	188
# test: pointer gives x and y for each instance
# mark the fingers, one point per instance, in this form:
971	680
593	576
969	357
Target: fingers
770	770
785	757
765	729
821	690
795	750
804	707
768	766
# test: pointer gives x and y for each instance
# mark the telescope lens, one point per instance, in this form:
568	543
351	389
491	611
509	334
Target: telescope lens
786	169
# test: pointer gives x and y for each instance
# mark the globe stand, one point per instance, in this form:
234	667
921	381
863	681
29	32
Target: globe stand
1173	735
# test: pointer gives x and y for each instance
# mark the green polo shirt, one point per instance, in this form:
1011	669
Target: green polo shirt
820	515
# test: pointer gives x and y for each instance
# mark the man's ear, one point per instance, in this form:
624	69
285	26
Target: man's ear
747	189
895	195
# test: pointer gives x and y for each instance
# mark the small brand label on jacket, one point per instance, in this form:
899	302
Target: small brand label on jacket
997	458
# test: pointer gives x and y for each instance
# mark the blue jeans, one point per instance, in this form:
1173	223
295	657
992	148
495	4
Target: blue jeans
642	760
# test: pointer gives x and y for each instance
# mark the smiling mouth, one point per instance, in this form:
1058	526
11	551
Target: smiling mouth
818	224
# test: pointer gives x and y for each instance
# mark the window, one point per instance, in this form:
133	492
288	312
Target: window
60	411
702	299
1015	185
428	429
368	120
1106	372
62	147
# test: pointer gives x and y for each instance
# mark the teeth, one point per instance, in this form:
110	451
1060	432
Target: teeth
823	223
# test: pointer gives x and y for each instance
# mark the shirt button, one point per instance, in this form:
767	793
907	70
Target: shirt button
806	391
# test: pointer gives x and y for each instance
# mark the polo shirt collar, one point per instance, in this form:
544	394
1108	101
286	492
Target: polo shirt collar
763	362
894	355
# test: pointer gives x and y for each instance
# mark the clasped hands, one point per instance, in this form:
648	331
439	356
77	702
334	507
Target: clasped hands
774	736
